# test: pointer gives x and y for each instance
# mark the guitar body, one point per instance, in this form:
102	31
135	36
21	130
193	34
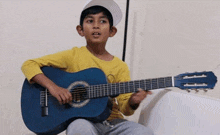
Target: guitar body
60	116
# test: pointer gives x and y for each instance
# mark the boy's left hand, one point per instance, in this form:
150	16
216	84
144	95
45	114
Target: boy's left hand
138	97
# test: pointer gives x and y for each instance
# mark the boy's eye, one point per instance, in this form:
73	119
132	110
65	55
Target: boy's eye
103	21
89	21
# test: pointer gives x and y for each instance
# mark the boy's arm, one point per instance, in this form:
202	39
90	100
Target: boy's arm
61	94
61	60
32	71
123	99
128	103
137	98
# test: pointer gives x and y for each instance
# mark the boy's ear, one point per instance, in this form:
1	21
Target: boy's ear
113	31
79	29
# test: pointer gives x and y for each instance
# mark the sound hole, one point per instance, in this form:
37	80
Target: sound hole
79	94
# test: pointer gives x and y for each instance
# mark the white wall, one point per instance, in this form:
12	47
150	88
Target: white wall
164	38
169	37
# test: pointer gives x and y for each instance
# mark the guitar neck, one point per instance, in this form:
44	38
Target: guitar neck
113	89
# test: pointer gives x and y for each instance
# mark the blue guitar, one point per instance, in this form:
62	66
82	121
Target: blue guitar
43	114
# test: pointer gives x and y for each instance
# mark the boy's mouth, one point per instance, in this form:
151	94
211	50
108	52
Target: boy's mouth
96	34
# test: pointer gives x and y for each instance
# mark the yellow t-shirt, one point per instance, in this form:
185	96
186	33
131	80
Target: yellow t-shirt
78	59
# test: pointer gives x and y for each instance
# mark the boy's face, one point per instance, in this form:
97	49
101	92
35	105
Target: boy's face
96	28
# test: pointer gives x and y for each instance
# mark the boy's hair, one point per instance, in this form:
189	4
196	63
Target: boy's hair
96	10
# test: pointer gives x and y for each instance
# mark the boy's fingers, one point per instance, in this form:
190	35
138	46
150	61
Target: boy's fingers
63	98
148	92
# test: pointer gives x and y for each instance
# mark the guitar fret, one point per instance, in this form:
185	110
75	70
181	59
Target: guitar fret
134	86
111	90
164	80
168	82
154	84
148	84
128	87
119	88
131	86
142	85
139	84
145	85
161	83
151	84
157	83
124	87
115	89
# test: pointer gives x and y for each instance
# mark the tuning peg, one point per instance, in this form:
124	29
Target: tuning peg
205	90
188	90
196	90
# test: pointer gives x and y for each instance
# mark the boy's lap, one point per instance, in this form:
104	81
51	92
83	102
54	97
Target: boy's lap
119	127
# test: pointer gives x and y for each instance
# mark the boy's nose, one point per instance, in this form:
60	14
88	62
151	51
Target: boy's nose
96	25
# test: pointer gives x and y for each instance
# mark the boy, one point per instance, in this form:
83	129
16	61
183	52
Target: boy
97	24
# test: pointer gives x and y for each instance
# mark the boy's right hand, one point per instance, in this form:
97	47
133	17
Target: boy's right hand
61	94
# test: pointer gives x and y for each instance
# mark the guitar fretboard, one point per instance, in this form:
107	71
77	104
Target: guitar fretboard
114	89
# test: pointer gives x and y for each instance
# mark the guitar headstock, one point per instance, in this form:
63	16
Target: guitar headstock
195	81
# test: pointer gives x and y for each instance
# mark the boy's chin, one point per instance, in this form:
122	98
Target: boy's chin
94	42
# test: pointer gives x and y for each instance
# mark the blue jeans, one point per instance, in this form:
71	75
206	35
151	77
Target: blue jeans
124	127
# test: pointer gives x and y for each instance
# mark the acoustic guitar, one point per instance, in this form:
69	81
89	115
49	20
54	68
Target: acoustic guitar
43	114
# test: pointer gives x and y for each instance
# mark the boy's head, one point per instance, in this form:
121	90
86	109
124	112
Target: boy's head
98	20
108	7
96	10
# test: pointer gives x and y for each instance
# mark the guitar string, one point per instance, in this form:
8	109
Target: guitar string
113	85
97	87
77	97
81	91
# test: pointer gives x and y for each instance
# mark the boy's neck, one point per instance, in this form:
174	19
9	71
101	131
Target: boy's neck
96	49
100	52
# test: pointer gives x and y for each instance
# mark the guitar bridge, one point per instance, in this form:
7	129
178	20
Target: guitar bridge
44	103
